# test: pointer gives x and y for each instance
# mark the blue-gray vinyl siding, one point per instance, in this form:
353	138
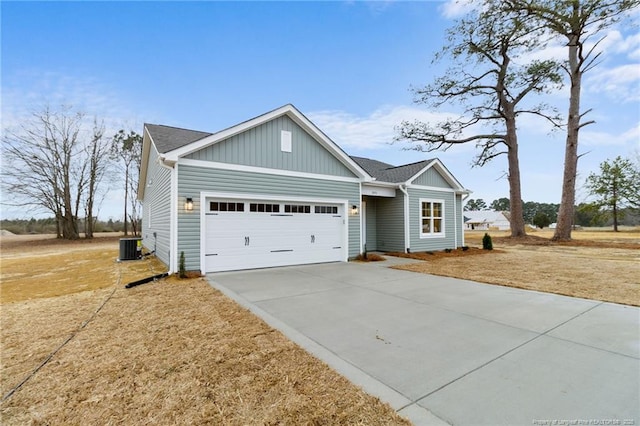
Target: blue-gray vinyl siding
156	209
390	223
192	180
431	177
450	217
261	147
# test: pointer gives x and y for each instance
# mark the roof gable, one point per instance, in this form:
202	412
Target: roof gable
261	146
290	111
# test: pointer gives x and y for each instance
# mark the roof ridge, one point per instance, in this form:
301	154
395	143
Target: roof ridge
177	128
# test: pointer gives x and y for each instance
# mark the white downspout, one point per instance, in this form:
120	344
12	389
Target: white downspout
407	240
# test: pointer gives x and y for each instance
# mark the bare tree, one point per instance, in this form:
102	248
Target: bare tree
576	21
98	166
39	165
127	149
492	88
49	164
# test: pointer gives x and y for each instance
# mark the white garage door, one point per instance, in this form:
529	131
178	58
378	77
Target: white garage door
246	234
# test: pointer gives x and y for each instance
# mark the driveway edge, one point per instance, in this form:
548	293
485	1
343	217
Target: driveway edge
404	406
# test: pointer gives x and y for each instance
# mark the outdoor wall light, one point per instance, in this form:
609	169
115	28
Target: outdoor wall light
188	204
354	210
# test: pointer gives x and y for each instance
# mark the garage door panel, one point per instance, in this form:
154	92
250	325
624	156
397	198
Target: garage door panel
251	239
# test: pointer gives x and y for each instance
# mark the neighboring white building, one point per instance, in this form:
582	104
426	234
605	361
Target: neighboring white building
483	220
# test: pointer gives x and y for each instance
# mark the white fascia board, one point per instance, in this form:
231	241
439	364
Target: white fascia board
254	169
456	185
292	113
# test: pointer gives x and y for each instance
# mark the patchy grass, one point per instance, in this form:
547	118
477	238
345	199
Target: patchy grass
168	352
604	268
50	267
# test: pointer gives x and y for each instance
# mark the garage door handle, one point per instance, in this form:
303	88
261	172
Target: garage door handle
246	241
313	239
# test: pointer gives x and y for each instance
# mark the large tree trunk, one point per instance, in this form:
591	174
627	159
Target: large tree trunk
567	203
515	193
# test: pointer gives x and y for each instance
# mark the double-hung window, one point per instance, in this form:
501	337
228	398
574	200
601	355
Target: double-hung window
431	218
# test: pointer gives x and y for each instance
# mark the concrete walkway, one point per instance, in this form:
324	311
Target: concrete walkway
441	350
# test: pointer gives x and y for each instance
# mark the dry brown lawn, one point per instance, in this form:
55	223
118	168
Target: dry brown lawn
597	265
168	352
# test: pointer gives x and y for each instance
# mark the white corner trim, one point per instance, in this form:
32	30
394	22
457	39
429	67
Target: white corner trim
407	216
455	222
264	170
173	232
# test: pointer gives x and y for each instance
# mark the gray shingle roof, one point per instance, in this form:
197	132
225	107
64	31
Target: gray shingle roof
388	173
168	138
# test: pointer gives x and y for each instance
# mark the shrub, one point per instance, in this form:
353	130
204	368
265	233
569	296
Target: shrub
447	250
487	244
465	248
182	271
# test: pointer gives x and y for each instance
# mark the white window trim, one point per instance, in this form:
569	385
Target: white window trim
420	217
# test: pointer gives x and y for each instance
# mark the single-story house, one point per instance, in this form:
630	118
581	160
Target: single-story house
483	220
275	190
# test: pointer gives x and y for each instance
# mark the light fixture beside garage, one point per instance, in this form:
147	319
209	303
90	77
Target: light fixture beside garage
188	204
354	210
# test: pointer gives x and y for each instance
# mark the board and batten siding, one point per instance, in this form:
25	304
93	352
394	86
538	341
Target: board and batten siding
390	223
431	177
156	209
431	243
261	147
193	179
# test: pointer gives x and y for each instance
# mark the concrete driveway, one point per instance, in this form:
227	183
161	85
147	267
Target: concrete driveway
441	350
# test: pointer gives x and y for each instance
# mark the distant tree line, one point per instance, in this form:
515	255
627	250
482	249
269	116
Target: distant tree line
543	214
48	225
63	163
615	190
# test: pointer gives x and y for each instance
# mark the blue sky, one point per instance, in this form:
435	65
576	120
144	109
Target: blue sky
348	66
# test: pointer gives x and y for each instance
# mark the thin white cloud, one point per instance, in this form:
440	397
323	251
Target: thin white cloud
373	131
630	136
621	83
453	9
28	92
